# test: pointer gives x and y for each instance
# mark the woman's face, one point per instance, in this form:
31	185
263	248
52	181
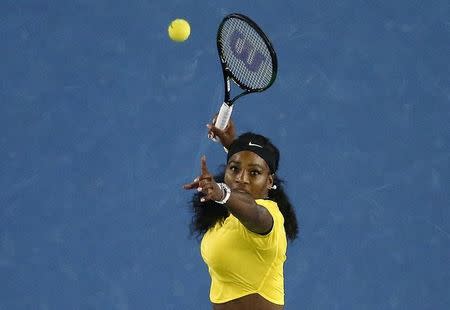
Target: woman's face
249	173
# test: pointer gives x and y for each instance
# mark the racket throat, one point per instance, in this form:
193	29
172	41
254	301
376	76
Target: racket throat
227	91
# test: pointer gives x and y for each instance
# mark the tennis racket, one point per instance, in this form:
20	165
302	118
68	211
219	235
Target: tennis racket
247	58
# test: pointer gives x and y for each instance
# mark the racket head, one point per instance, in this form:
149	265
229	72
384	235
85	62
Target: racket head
246	53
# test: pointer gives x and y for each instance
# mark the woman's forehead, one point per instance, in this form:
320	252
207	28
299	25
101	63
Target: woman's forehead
248	158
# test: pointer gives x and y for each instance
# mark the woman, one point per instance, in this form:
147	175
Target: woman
245	219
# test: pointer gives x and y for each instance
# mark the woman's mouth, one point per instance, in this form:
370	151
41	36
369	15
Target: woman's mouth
241	190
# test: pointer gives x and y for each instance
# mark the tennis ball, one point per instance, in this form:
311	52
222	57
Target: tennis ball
179	30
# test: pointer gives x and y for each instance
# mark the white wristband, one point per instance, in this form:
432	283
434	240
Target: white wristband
226	193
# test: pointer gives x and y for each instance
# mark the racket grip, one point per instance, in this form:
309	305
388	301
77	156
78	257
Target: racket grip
222	118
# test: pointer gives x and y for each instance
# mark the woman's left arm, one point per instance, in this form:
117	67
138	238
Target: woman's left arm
242	205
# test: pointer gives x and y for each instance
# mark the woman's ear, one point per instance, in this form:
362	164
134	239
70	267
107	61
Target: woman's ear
270	180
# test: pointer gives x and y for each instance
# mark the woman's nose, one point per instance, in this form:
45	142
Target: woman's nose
242	177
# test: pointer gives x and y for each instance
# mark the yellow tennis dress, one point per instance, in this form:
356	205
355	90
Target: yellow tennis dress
241	262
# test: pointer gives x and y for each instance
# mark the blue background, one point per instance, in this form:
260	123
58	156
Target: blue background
102	119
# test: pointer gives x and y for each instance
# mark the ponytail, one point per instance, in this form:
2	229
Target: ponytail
206	214
290	220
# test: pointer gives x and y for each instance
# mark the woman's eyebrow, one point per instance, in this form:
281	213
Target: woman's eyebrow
250	165
256	165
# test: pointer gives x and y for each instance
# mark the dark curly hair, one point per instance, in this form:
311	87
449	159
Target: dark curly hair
207	214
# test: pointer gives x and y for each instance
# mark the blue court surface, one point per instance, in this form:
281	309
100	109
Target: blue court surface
102	120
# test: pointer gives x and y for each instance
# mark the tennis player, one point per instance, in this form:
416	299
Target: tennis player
244	219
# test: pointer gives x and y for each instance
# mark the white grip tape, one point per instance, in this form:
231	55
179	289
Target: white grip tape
224	116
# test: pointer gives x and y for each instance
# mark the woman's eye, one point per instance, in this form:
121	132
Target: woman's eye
233	168
255	172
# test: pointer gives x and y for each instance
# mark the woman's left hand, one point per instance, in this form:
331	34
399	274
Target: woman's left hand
206	184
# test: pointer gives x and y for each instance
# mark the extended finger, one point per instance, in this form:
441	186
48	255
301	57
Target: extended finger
192	185
204	168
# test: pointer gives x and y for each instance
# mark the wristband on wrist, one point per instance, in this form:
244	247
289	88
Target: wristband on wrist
226	193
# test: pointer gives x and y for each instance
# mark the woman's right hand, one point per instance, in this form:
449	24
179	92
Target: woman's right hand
226	136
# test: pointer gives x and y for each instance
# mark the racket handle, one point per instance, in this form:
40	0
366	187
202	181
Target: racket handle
223	117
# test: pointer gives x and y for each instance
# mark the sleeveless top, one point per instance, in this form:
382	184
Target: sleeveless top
241	262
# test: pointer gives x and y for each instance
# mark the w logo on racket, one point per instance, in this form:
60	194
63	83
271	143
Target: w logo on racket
243	50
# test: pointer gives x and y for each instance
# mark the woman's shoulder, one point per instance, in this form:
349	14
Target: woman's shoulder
271	206
266	203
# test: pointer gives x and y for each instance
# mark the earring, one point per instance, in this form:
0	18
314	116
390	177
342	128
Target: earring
273	187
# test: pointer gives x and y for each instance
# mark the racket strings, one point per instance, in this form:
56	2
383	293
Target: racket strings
246	54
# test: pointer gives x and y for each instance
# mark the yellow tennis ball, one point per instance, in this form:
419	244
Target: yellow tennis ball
179	30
